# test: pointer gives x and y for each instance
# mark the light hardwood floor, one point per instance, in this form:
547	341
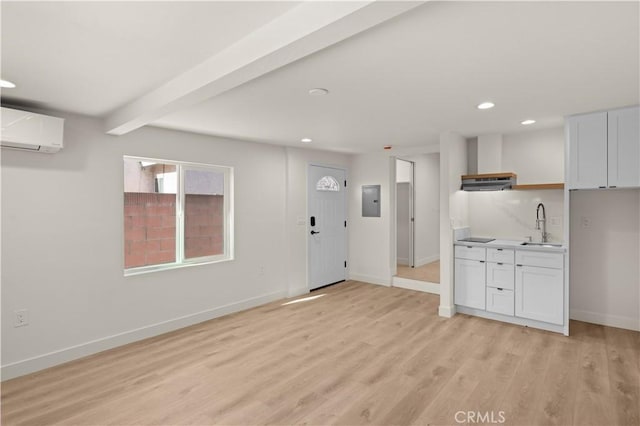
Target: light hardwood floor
360	354
429	272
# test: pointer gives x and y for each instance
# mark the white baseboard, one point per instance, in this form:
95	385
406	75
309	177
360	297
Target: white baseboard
298	291
40	362
512	319
371	279
424	286
446	311
427	260
628	323
404	261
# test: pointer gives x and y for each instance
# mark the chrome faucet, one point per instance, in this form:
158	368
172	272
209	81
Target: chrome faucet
542	221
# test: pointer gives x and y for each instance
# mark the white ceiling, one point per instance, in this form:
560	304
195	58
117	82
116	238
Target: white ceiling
93	57
401	82
406	80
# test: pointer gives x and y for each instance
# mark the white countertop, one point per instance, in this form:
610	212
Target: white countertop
512	244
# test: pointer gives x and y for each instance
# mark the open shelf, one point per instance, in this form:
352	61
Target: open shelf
539	186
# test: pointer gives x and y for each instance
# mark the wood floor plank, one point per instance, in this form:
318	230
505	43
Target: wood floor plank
359	354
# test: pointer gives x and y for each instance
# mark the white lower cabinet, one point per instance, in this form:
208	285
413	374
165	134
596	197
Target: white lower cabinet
500	301
539	293
531	291
469	288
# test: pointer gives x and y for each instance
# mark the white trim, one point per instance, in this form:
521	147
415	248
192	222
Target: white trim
298	291
427	260
628	323
424	286
446	311
40	362
370	279
404	261
512	319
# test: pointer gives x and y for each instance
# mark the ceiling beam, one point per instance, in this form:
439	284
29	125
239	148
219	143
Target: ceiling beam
301	31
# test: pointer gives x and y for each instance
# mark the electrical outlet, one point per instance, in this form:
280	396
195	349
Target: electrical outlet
261	271
585	222
22	318
555	221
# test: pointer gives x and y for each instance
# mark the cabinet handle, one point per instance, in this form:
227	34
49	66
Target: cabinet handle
499	289
602	187
500	249
469	246
482	261
519	265
500	264
613	186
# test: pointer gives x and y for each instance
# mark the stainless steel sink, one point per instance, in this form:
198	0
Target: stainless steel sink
549	245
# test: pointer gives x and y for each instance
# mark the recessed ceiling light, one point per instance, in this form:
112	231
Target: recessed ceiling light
318	91
486	105
6	84
527	122
305	140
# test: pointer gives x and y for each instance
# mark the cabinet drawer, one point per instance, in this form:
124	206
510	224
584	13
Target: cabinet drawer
500	301
539	258
471	253
500	275
499	255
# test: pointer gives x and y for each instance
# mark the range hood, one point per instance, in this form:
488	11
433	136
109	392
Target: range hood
488	182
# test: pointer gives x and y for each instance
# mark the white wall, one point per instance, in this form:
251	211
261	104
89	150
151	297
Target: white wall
426	209
512	214
605	254
403	221
535	156
370	254
297	217
454	211
489	153
62	241
403	171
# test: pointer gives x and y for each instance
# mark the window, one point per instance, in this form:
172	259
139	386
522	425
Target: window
175	214
327	183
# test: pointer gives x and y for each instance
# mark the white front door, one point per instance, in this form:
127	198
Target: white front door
327	233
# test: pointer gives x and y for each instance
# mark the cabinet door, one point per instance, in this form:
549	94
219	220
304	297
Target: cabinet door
624	147
469	285
539	294
587	151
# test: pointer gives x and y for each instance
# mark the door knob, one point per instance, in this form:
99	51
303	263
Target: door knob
314	232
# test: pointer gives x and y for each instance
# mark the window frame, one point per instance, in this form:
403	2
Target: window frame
228	219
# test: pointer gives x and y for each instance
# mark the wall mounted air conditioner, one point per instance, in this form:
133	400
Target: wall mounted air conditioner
28	131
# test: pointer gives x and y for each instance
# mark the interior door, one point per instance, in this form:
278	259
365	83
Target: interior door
327	233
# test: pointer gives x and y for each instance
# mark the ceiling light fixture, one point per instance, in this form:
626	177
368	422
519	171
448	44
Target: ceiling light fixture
318	91
527	122
306	140
486	105
6	84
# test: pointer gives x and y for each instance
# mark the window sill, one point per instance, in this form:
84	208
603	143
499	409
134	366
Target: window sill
170	266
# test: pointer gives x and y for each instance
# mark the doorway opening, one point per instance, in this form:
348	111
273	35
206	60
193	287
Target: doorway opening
418	222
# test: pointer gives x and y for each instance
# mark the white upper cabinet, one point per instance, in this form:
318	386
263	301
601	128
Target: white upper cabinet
604	149
588	151
624	147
